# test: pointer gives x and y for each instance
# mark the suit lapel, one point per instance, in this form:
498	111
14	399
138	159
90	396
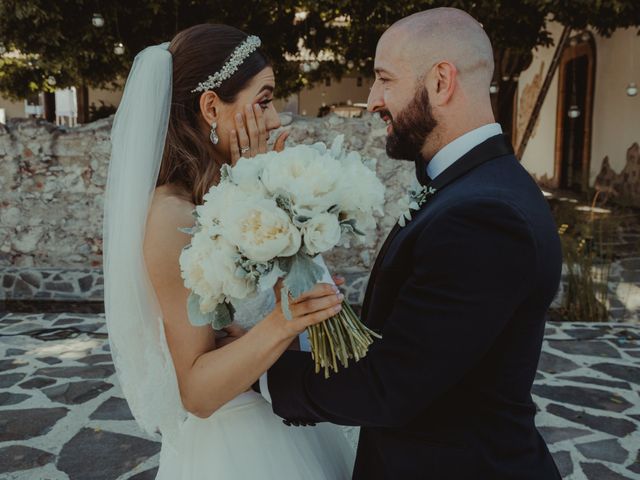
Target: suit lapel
374	271
494	147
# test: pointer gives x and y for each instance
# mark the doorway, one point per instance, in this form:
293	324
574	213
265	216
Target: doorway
574	114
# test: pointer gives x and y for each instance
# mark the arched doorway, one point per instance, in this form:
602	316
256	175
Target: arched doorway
573	133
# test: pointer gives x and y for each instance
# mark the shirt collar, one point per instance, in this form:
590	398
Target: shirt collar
451	152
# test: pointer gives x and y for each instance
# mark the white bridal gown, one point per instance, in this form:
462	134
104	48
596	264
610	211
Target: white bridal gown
245	440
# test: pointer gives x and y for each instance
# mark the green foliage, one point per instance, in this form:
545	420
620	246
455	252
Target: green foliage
220	318
18	80
22	77
587	240
60	39
602	15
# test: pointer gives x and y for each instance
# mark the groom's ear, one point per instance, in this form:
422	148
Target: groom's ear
442	83
209	105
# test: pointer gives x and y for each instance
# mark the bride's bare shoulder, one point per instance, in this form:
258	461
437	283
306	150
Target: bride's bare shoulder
168	213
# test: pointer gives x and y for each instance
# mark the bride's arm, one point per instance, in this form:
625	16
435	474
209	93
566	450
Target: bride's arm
210	377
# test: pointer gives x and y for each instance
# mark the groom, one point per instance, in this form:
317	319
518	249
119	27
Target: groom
459	294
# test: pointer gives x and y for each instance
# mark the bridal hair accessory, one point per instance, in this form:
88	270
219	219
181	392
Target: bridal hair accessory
238	56
213	136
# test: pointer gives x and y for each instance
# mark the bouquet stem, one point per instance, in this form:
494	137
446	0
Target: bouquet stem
339	339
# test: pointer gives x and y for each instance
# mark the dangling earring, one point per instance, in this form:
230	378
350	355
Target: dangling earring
213	136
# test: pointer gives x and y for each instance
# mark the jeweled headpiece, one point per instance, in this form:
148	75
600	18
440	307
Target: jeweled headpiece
231	66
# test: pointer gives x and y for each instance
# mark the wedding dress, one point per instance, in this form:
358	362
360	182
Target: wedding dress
244	439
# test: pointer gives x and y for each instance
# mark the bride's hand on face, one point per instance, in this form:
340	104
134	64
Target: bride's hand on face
249	138
315	306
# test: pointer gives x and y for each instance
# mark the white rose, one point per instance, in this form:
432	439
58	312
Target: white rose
310	178
321	233
261	230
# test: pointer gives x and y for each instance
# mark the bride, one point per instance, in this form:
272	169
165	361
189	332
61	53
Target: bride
190	106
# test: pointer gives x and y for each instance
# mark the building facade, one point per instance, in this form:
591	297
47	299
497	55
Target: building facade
588	129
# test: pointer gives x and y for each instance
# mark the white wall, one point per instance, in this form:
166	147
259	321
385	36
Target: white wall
12	109
308	100
540	152
311	98
616	119
109	97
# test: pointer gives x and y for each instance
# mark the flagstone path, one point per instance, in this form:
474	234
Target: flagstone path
62	415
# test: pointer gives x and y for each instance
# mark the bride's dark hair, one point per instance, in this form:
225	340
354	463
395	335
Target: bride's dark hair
198	52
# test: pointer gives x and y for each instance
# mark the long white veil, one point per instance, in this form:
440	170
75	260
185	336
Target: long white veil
134	319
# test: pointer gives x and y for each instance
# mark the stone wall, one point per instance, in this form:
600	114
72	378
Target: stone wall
626	184
53	181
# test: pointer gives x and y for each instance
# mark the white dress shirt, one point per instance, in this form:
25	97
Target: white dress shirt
442	160
453	151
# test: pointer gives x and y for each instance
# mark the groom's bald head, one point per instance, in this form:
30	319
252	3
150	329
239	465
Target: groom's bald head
444	34
433	72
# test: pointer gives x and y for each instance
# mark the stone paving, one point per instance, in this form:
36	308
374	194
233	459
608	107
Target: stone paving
59	284
35	285
62	415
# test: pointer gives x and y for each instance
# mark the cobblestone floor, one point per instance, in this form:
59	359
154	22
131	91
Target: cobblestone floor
62	415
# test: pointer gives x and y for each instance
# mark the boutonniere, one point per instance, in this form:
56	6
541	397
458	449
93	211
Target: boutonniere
418	196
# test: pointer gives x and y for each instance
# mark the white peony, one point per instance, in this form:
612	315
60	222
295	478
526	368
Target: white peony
311	179
223	198
260	230
223	266
321	233
365	221
360	188
209	269
246	174
240	217
193	264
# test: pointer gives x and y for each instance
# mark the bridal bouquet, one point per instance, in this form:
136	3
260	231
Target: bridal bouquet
271	217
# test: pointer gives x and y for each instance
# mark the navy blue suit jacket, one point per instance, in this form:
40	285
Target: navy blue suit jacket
460	297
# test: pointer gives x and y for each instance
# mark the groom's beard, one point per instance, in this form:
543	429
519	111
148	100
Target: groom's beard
411	128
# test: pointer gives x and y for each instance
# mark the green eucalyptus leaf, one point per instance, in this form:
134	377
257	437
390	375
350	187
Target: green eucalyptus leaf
349	226
300	220
190	230
268	280
196	317
284	202
222	316
225	173
303	274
